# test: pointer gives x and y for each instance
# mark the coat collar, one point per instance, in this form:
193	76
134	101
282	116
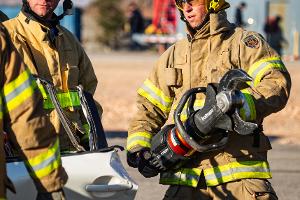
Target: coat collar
39	30
217	23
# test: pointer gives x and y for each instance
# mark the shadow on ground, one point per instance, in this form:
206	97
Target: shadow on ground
273	138
116	134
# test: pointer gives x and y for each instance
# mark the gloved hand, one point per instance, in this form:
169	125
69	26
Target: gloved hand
132	159
146	164
144	161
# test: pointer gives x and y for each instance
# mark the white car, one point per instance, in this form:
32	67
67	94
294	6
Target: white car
92	175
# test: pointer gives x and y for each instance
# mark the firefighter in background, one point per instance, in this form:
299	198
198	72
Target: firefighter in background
3	17
30	131
164	20
213	46
53	53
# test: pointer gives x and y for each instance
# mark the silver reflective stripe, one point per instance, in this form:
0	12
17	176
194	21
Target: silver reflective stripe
263	65
233	171
139	138
155	96
18	90
47	162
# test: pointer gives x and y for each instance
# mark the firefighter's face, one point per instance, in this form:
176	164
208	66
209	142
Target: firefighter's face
43	8
194	12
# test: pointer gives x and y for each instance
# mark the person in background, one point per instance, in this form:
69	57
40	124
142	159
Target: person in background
136	23
274	33
53	53
27	126
239	19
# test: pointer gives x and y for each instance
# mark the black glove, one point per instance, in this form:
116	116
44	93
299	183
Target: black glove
132	159
144	161
146	164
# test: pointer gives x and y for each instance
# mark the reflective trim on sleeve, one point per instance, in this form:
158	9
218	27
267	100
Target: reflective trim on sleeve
237	170
156	96
45	163
248	111
19	90
142	139
258	69
187	177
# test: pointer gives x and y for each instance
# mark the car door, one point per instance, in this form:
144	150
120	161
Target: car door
92	175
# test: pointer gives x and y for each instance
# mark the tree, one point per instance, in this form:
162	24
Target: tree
111	19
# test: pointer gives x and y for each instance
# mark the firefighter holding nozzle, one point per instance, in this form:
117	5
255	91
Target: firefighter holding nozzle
200	111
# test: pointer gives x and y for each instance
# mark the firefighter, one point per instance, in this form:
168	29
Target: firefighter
24	120
53	53
213	46
3	17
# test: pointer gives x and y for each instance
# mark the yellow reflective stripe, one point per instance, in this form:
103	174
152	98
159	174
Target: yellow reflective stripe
66	100
187	177
199	103
258	69
237	170
157	91
19	90
248	111
155	96
10	87
45	163
42	90
142	139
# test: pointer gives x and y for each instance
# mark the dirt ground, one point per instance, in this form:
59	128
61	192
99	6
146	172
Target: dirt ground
120	75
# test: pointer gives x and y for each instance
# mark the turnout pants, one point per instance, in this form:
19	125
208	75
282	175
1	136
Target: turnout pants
245	189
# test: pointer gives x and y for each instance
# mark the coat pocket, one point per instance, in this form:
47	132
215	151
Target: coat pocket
260	189
173	77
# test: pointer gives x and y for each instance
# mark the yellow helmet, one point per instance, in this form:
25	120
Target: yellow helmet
211	5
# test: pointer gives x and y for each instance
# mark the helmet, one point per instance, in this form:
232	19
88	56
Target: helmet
211	5
67	9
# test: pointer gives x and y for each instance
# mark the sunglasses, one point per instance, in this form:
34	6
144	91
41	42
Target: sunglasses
181	3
